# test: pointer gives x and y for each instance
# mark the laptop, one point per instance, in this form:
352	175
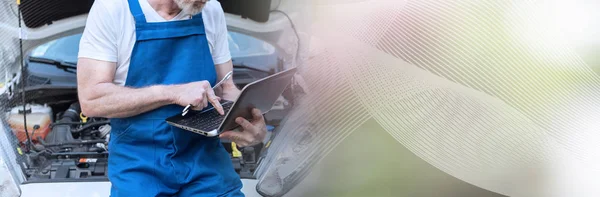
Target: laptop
260	94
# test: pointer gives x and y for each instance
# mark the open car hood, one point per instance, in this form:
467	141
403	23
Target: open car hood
44	21
48	20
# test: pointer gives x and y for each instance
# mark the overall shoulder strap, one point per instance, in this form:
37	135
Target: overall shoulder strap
136	11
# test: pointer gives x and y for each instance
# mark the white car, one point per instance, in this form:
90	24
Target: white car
69	157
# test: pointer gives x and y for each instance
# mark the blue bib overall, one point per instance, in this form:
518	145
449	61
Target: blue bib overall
147	156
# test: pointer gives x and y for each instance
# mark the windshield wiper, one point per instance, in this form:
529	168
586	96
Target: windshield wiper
242	65
66	66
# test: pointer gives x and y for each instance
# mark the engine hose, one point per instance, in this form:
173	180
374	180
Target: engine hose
74	143
40	140
66	123
88	125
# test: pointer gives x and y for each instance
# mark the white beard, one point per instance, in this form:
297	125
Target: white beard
188	7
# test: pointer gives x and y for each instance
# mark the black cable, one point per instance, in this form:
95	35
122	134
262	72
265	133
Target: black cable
297	50
295	32
23	81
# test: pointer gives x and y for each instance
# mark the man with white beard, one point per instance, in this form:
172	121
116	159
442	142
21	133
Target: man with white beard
141	61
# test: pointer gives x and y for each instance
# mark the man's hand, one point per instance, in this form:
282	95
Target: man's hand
253	132
198	94
229	92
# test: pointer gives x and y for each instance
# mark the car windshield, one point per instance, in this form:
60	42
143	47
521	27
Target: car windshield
65	49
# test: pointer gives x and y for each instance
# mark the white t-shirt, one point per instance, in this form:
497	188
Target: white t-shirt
109	33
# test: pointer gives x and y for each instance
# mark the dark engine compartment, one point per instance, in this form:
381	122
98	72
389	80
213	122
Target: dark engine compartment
76	148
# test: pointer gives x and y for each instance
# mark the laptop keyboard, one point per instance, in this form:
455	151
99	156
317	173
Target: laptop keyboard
207	120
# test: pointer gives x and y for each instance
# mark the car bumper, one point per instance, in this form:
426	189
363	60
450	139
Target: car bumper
96	189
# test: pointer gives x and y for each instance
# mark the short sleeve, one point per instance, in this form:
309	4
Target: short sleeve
221	52
99	40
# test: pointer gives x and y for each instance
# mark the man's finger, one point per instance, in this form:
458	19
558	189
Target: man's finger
257	114
204	101
228	135
214	100
237	137
197	104
197	108
244	123
217	105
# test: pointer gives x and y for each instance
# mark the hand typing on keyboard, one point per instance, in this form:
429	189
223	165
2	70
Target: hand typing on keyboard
250	133
208	119
197	95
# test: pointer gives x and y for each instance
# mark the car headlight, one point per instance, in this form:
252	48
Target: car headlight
293	154
308	133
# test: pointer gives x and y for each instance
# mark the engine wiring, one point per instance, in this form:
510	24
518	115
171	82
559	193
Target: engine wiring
23	82
298	40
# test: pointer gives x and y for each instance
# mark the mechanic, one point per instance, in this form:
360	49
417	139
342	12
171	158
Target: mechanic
141	61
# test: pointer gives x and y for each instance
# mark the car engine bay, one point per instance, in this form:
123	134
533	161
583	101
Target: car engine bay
63	145
76	147
67	144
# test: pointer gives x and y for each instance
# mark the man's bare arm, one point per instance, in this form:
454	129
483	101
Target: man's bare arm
100	97
228	89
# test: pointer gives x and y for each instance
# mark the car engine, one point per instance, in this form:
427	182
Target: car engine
75	147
